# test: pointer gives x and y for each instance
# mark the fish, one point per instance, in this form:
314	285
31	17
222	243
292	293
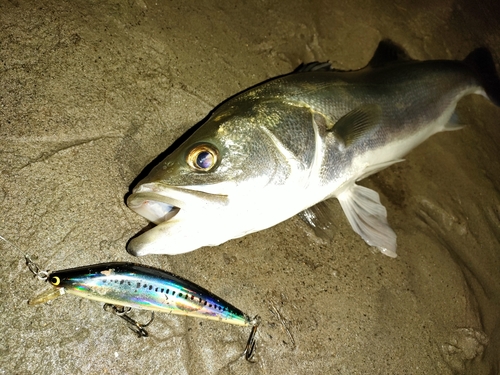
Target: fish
127	285
292	144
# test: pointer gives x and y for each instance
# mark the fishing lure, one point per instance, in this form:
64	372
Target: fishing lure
123	286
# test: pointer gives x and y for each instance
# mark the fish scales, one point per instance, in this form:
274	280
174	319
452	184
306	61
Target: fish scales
286	146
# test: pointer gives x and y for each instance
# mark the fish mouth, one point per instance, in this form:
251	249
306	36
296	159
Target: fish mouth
185	217
160	203
152	203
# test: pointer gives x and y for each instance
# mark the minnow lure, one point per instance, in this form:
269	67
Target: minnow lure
123	286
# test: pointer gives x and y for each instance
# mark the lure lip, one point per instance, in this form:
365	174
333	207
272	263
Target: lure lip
46	296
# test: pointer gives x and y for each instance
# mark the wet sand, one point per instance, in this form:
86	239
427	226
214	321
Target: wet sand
91	92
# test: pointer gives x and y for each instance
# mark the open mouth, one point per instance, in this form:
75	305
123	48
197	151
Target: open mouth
160	203
152	204
152	209
178	212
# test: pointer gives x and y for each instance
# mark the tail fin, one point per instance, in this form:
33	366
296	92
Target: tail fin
481	61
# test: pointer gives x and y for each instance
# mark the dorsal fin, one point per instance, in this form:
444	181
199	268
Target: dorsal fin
388	52
314	66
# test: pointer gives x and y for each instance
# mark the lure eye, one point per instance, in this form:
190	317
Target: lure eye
54	280
203	157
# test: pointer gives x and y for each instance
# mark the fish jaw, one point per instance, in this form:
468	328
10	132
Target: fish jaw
188	218
170	237
156	201
185	219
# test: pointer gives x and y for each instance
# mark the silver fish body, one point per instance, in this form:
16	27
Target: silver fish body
286	145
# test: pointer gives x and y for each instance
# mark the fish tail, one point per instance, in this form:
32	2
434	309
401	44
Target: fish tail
481	61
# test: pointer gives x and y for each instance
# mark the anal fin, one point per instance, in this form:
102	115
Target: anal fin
374	168
321	218
368	218
454	123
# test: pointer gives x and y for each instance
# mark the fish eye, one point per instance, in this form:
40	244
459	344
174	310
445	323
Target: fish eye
54	280
202	157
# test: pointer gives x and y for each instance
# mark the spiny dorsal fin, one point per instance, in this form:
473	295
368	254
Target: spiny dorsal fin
313	67
357	123
387	52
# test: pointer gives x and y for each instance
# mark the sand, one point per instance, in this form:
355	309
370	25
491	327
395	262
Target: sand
92	91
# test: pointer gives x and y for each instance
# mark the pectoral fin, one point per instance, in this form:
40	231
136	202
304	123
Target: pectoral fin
357	124
368	218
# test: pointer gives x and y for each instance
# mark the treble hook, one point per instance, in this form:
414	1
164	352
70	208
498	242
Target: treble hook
35	269
250	347
132	324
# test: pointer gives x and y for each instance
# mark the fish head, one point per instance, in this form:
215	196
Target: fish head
209	189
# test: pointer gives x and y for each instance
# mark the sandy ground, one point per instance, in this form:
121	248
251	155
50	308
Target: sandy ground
92	91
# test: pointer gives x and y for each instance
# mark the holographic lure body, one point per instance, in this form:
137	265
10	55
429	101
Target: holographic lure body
131	285
141	287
